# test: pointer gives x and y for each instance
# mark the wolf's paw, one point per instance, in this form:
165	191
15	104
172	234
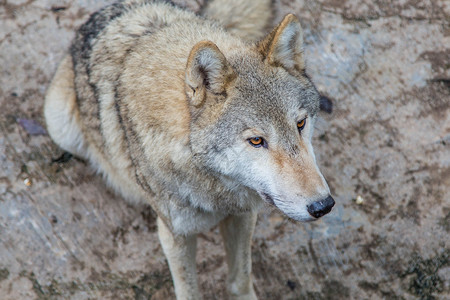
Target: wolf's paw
251	295
244	297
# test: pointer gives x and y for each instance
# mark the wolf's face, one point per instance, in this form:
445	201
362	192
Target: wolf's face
252	118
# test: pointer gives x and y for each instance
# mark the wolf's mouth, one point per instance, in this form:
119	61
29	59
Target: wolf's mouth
267	198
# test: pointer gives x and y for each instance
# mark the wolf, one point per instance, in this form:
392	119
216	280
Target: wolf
188	113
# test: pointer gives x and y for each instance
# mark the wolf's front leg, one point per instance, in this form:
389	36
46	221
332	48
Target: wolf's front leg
237	234
180	253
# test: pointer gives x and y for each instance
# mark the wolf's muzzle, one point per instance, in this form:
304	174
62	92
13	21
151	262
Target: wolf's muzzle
321	207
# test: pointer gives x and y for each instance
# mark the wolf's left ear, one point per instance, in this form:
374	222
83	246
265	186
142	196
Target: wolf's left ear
207	70
284	45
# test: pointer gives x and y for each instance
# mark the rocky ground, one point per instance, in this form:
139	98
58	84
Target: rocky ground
385	151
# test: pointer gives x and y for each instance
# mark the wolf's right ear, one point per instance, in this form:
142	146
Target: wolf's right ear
284	45
207	70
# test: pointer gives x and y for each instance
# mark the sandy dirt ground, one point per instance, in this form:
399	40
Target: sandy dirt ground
385	151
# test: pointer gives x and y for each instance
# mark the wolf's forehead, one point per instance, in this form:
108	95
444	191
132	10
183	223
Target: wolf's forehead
275	90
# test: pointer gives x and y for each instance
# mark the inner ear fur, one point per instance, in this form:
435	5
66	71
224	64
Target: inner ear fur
207	70
284	45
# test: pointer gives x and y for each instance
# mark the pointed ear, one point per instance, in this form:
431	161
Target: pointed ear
207	70
284	45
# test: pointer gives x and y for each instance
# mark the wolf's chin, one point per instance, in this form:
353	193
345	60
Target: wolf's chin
296	216
299	217
292	213
267	198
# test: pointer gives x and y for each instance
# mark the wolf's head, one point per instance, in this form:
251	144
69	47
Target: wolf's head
252	118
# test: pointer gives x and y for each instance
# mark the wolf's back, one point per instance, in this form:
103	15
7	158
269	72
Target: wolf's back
250	20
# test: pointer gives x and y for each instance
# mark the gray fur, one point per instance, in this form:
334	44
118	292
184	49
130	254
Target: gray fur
164	103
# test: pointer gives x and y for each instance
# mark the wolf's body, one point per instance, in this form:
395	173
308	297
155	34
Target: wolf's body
168	105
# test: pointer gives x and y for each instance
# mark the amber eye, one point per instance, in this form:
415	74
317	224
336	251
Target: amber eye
301	124
257	142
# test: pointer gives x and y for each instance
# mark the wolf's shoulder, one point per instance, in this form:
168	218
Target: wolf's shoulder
96	23
88	33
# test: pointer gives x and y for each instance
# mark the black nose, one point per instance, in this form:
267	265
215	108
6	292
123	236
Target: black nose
321	207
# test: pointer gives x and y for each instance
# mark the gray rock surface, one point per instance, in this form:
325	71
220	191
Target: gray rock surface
385	151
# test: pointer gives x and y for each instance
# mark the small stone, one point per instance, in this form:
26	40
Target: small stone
32	127
359	200
326	105
291	284
27	181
